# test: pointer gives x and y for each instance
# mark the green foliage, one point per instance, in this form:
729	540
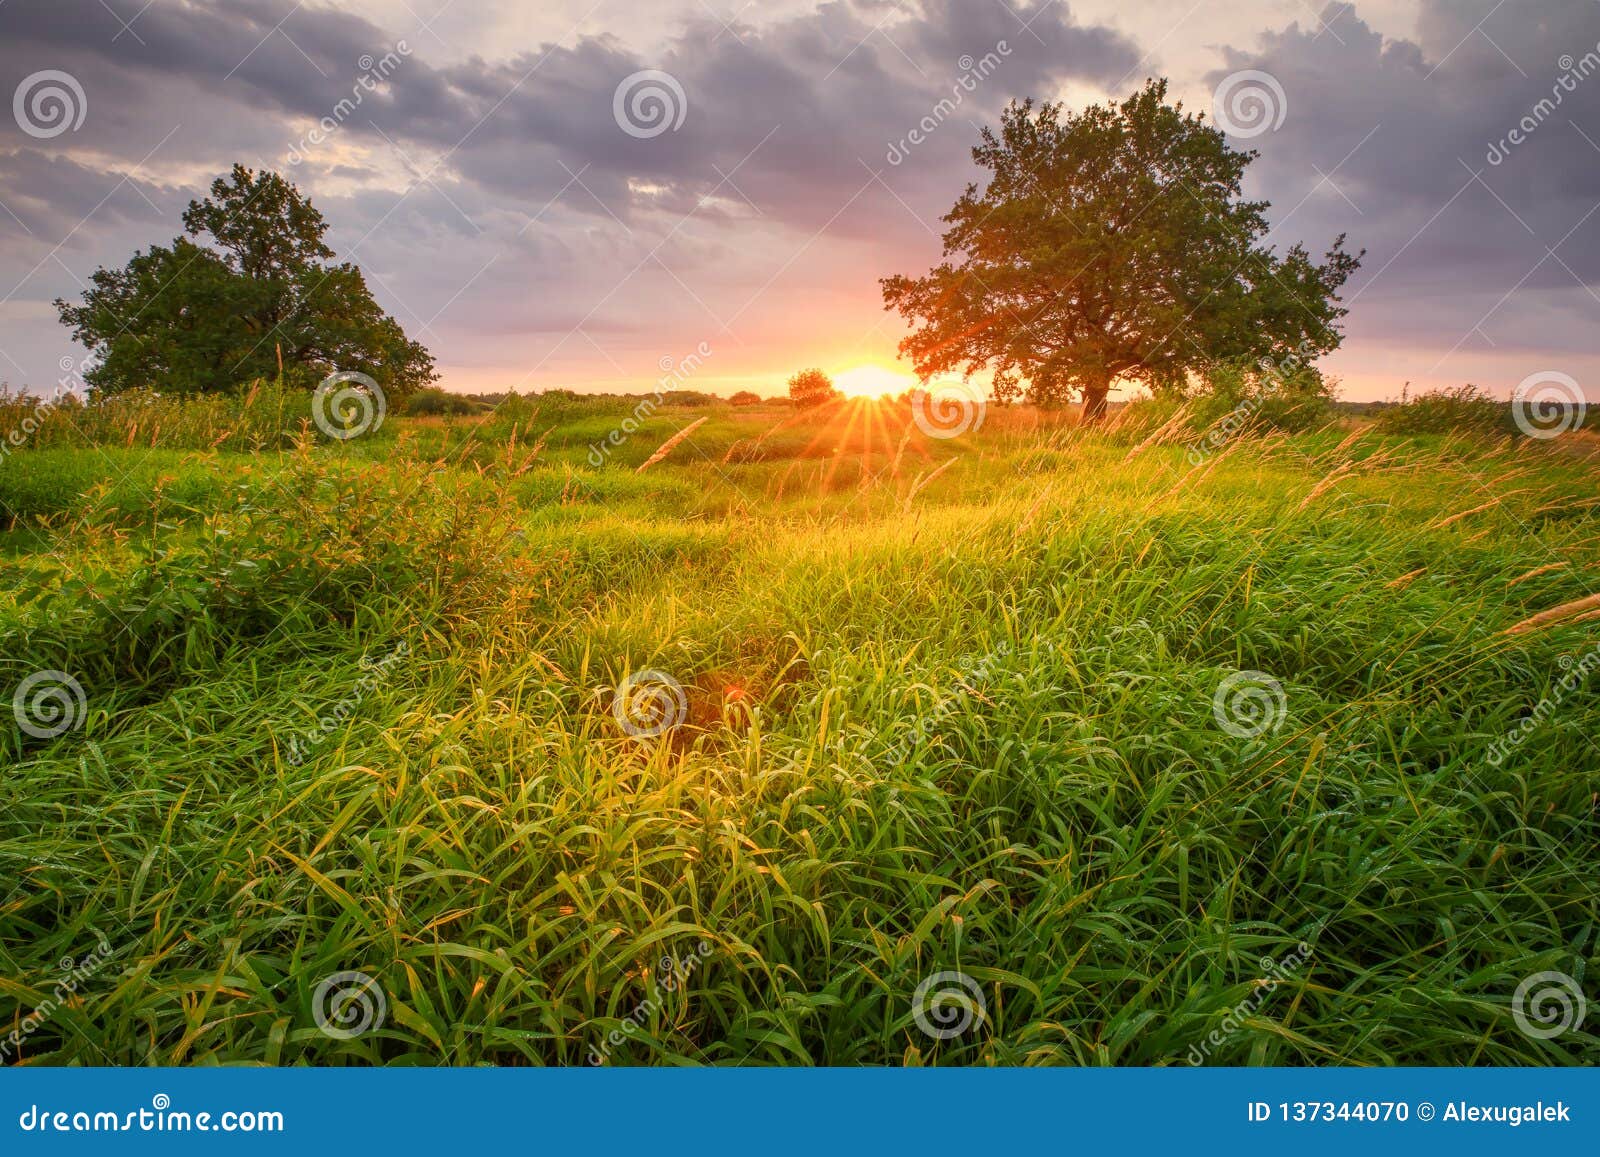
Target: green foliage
1266	396
434	402
693	398
810	388
1112	244
266	417
1295	413
954	722
112	485
192	319
1465	408
306	545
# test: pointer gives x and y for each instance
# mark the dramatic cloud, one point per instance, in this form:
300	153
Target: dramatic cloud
1481	252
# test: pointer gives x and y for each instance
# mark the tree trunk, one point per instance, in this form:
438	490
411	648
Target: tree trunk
1094	402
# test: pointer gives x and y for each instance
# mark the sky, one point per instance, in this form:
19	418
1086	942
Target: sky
583	193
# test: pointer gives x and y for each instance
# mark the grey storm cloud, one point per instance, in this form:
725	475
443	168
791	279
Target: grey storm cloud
823	93
1405	145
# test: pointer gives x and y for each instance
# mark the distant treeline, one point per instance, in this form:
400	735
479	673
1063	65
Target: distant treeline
668	398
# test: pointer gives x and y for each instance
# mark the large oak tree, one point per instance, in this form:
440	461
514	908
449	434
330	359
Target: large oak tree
250	286
1113	244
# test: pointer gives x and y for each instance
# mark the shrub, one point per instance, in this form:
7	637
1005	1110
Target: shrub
1448	411
1293	413
1239	399
434	401
689	398
745	398
811	388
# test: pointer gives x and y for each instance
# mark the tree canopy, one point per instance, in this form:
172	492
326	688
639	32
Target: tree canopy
1113	244
811	388
194	317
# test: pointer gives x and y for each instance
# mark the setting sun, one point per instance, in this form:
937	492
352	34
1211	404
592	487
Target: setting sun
870	381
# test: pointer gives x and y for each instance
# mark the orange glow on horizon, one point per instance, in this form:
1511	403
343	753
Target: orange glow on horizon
871	381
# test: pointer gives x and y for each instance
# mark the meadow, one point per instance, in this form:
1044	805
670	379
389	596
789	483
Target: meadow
818	741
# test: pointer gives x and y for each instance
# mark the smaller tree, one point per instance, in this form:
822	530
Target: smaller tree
745	398
251	291
811	388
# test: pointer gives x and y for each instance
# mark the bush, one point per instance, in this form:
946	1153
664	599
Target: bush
1288	397
435	402
745	398
689	398
811	388
1448	411
1294	413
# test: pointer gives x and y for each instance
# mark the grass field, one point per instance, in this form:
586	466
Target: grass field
817	742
